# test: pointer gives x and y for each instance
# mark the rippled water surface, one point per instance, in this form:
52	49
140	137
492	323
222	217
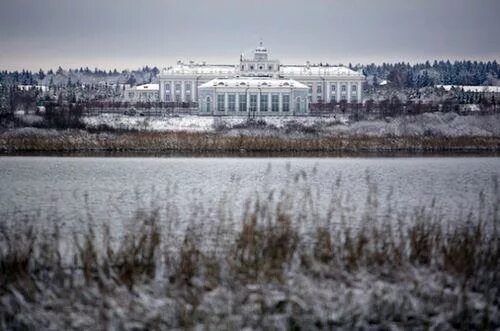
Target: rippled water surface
106	189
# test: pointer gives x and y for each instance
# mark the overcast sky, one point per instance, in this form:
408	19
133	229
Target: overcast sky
133	33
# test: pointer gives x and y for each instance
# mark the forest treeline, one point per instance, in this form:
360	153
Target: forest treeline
401	75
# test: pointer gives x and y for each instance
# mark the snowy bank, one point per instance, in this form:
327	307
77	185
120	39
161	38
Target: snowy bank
193	123
428	124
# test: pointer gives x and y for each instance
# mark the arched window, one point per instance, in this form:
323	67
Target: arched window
208	105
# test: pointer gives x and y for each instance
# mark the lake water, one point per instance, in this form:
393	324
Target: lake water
77	190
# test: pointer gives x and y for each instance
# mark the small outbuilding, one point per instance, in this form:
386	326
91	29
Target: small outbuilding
141	93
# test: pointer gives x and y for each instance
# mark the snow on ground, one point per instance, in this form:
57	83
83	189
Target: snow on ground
195	123
181	123
428	124
27	118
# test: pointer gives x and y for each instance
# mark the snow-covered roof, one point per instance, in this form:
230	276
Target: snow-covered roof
253	82
471	88
148	87
200	69
315	70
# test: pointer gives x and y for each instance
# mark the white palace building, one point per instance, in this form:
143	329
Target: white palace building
260	85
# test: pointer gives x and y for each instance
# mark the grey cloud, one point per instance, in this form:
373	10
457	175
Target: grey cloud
128	34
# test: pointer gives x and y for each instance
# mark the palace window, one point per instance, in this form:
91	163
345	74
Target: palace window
310	88
220	102
177	92
286	102
275	103
188	87
263	102
253	102
207	105
167	97
231	102
188	98
270	67
354	93
251	67
297	105
167	88
334	88
319	89
343	89
243	102
242	68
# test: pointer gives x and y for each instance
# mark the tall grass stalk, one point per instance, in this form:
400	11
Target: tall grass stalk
413	274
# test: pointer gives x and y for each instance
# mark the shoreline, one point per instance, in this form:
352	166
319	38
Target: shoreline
235	154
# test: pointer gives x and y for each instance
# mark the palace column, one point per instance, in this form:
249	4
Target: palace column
183	91
194	95
280	102
248	101
258	101
226	103
326	92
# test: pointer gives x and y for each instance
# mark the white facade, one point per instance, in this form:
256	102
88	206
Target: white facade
257	96
180	83
141	93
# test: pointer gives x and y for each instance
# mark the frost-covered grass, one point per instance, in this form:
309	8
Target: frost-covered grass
43	140
426	132
262	271
428	124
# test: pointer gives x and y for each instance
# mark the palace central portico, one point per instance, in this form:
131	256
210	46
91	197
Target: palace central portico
253	95
298	85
